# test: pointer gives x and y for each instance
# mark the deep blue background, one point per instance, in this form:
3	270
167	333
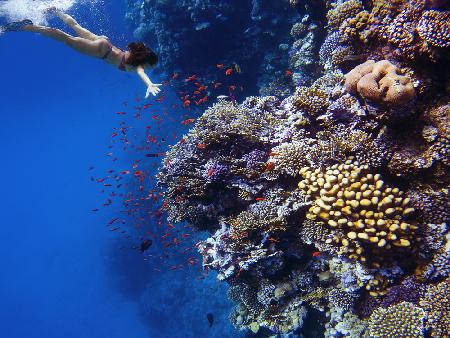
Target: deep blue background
62	273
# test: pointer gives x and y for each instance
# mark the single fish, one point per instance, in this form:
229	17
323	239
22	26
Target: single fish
145	244
210	318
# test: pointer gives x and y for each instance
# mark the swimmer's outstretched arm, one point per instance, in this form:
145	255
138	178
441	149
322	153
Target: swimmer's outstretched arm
152	88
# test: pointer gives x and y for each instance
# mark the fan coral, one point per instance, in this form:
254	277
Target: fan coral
366	213
436	304
401	320
380	82
434	27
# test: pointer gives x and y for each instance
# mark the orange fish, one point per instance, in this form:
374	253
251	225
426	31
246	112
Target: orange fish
260	199
186	103
220	66
191	78
228	71
316	254
201	146
187	121
289	72
273	239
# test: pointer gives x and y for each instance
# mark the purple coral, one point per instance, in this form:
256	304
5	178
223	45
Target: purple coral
408	291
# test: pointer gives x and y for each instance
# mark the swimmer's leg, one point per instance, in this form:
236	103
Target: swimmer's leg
52	33
79	30
85	46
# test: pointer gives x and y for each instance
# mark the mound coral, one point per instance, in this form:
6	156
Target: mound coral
380	82
401	320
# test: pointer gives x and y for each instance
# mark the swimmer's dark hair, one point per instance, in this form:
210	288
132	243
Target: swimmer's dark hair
140	54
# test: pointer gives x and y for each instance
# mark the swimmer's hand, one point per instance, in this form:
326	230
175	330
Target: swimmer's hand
153	88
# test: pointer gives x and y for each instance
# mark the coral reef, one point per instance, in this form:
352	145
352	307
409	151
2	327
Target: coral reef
328	203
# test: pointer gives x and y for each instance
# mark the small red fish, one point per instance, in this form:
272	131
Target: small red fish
274	240
191	78
270	166
201	146
228	72
186	103
260	199
316	254
288	72
121	113
187	121
219	66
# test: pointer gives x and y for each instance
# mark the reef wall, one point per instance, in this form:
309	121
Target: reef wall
330	205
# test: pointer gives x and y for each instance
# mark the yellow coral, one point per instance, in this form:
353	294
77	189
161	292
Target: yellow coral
365	212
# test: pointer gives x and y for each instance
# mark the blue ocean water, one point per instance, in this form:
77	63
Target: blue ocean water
63	274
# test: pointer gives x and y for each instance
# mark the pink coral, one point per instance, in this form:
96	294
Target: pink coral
380	82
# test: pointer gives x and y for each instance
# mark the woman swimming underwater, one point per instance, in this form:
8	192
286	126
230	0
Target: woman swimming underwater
136	58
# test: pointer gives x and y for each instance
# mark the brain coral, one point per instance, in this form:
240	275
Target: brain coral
366	214
380	82
401	320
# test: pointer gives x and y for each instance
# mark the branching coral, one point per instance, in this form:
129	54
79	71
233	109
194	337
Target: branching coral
380	82
366	214
401	320
313	100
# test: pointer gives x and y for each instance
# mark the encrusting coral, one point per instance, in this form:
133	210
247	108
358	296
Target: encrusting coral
380	82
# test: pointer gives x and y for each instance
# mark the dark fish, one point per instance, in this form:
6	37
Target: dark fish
146	243
210	319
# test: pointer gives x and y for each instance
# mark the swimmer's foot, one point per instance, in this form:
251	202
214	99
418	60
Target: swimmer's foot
16	26
52	10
